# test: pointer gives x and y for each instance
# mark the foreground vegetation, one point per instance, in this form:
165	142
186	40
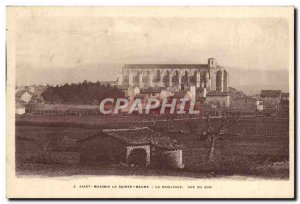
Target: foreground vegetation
259	147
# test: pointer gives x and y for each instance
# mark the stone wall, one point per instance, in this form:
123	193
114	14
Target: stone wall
173	158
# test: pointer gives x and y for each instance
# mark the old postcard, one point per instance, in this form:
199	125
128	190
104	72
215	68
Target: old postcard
150	102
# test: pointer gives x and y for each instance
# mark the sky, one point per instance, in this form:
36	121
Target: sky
52	50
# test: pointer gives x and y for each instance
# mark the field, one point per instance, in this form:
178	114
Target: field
259	147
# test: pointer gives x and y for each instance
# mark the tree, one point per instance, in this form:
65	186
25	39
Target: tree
196	129
81	93
228	119
170	118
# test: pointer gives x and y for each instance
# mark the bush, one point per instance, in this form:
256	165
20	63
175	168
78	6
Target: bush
244	165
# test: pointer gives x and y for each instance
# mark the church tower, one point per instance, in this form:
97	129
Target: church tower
212	67
212	63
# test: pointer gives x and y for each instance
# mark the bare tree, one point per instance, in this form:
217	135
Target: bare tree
196	128
214	133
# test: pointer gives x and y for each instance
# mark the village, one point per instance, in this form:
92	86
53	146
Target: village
123	136
158	116
164	117
29	100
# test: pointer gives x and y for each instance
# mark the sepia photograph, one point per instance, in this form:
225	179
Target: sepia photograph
150	102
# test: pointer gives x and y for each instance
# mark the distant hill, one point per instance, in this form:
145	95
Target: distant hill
252	81
62	75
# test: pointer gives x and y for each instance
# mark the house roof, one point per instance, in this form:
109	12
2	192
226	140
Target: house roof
122	87
217	93
152	90
245	98
270	93
20	93
142	136
165	66
141	96
19	105
180	94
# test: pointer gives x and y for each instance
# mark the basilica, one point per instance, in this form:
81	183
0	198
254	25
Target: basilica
210	76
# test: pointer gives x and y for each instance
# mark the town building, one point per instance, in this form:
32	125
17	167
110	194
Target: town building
142	97
271	98
132	91
235	93
245	104
260	105
153	92
284	105
187	95
284	96
25	96
211	75
20	108
30	89
218	99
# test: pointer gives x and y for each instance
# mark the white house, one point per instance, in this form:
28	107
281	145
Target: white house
165	94
20	109
26	97
132	91
260	105
184	94
157	92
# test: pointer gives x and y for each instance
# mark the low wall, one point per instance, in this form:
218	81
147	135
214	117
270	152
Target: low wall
173	158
